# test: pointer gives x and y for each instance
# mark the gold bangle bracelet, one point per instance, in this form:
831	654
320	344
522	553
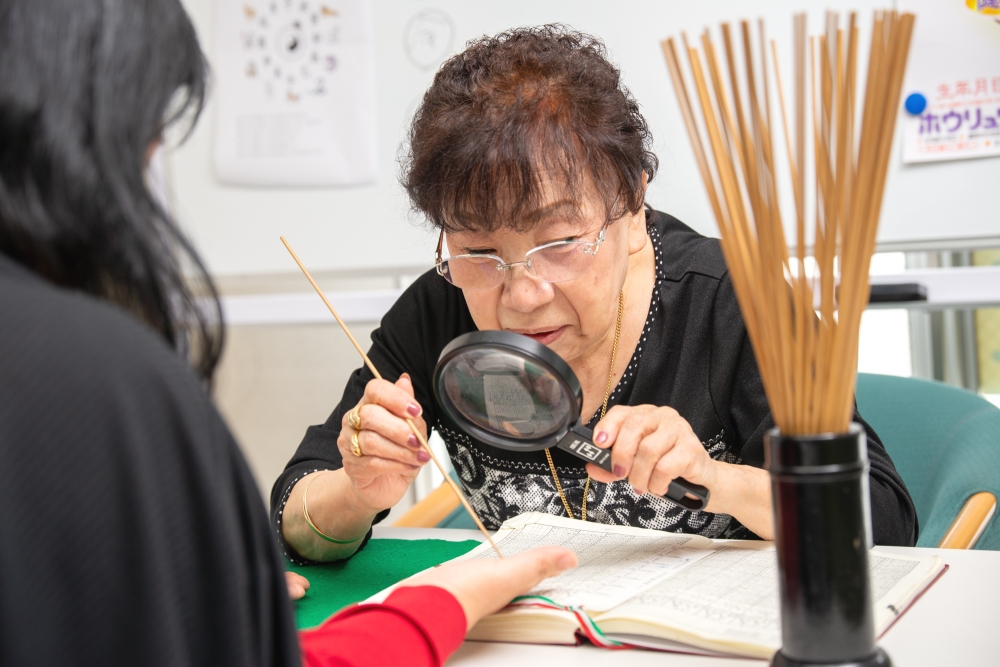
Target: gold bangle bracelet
305	513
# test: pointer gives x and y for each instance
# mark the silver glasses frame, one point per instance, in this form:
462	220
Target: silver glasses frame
590	247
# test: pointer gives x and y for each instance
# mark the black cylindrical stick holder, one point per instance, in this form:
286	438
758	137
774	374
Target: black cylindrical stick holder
822	523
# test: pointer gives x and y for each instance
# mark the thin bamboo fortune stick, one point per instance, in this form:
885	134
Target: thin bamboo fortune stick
409	422
803	328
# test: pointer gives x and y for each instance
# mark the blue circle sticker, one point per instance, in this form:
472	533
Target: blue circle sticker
915	103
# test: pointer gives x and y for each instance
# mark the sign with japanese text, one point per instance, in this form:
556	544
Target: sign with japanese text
987	7
961	120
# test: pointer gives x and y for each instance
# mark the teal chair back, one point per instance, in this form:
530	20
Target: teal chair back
945	443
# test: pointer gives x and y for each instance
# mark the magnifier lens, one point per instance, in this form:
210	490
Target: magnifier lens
506	394
513	393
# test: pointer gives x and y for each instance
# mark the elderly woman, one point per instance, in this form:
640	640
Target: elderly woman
532	159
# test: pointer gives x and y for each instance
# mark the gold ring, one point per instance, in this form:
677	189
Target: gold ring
354	418
355	445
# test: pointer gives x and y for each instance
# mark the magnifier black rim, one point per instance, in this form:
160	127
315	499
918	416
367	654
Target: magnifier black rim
508	341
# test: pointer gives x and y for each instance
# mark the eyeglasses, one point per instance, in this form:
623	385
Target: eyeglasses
555	262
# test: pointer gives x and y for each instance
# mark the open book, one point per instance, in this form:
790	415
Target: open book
667	591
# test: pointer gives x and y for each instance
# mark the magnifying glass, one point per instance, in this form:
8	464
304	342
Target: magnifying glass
512	392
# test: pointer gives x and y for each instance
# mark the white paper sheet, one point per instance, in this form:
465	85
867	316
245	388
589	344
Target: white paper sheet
732	596
295	87
616	562
722	591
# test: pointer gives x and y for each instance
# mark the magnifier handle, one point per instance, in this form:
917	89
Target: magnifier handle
579	442
680	487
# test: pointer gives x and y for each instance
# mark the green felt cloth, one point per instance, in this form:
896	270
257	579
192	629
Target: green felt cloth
379	565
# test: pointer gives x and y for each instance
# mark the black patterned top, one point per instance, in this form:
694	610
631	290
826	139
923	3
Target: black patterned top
694	356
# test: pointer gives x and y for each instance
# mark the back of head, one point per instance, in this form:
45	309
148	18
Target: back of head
87	87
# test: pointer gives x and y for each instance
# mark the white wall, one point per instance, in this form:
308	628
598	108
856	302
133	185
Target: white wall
348	228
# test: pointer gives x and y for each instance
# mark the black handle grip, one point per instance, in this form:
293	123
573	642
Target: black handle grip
680	487
579	443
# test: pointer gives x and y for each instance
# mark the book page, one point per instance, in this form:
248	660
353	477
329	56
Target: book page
616	562
730	599
731	596
507	400
897	582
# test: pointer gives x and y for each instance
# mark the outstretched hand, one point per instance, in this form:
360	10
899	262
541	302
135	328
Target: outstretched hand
485	586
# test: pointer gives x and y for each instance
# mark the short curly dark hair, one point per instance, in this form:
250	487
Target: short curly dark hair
513	106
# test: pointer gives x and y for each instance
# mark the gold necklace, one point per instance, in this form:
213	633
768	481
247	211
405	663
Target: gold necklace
604	409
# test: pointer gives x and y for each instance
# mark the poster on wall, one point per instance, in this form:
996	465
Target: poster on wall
294	82
952	86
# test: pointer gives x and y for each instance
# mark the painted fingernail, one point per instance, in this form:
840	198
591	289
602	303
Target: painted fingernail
423	456
601	437
412	442
413	409
619	471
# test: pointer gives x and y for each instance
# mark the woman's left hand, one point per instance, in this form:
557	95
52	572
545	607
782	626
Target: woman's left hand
655	445
652	446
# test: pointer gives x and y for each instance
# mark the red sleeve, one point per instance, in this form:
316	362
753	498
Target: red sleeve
416	626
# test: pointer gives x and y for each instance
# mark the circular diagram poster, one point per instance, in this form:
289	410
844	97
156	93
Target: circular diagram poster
295	88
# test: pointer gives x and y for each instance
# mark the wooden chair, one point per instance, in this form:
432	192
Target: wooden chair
433	511
965	531
944	441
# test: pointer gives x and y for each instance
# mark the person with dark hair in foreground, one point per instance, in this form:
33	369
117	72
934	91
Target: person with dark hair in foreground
531	158
131	530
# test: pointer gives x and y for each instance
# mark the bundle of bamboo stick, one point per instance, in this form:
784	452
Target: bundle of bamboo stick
803	314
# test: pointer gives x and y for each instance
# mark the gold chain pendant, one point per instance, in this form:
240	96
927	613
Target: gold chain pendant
604	409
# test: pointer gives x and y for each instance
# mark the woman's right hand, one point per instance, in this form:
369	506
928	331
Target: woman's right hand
483	586
391	454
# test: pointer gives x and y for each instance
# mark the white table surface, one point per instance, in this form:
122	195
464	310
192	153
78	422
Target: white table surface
956	622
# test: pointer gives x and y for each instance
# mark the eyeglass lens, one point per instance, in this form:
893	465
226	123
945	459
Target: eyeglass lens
553	263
